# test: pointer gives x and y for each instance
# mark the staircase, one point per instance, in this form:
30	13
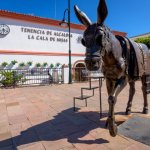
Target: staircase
85	97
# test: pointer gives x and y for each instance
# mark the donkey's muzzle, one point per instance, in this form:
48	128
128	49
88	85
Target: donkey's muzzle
92	63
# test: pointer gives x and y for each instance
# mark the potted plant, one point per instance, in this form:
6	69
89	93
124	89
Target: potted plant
38	65
4	64
13	62
57	65
45	64
51	66
29	63
22	64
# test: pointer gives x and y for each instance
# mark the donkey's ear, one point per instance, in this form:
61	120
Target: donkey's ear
102	11
82	17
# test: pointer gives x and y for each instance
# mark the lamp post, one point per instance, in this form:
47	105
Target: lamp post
65	23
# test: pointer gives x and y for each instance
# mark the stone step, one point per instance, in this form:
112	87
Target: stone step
89	88
82	97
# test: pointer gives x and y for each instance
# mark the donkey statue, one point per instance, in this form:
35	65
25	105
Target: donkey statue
123	61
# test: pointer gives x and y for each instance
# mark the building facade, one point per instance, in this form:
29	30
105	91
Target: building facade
140	36
27	38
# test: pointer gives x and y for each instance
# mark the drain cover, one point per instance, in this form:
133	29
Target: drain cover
136	128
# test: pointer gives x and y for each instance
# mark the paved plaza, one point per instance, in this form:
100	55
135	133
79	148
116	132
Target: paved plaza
42	118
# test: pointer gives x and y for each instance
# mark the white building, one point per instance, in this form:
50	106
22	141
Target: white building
27	38
140	36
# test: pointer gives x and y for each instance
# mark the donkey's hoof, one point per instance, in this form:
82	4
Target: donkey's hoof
128	112
110	124
113	130
145	111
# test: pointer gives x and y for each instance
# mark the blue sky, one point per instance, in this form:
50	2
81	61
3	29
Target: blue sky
131	16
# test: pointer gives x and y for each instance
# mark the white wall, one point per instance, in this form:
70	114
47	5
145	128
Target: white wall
40	59
19	39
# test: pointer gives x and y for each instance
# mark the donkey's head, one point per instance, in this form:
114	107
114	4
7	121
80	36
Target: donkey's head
94	37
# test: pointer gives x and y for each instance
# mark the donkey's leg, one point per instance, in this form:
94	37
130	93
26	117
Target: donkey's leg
131	94
110	87
145	108
116	89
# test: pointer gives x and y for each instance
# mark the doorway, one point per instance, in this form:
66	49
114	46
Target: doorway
80	72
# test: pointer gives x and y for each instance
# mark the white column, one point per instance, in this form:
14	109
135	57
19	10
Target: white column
65	74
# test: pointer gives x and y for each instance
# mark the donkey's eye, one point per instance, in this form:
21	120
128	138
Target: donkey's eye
83	42
98	40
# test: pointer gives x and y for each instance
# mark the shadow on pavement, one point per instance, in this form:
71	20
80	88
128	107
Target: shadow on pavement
67	124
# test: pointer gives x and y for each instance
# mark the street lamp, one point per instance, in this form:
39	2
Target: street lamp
65	23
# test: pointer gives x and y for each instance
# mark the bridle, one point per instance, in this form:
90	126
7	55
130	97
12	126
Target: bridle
103	49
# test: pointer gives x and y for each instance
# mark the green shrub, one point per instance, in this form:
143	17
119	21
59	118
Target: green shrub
13	62
38	65
29	63
9	78
45	64
4	64
144	40
57	64
22	64
51	65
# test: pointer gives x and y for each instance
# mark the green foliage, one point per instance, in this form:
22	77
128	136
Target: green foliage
57	64
38	65
4	64
51	65
9	78
13	62
22	64
45	64
29	63
144	40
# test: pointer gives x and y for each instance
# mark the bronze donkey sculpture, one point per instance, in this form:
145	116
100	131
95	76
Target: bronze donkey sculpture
123	61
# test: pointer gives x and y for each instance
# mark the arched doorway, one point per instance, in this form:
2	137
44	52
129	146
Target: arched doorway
80	72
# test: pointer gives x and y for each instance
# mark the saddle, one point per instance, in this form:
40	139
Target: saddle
137	57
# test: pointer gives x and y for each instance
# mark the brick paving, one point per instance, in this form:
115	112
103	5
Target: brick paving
42	118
